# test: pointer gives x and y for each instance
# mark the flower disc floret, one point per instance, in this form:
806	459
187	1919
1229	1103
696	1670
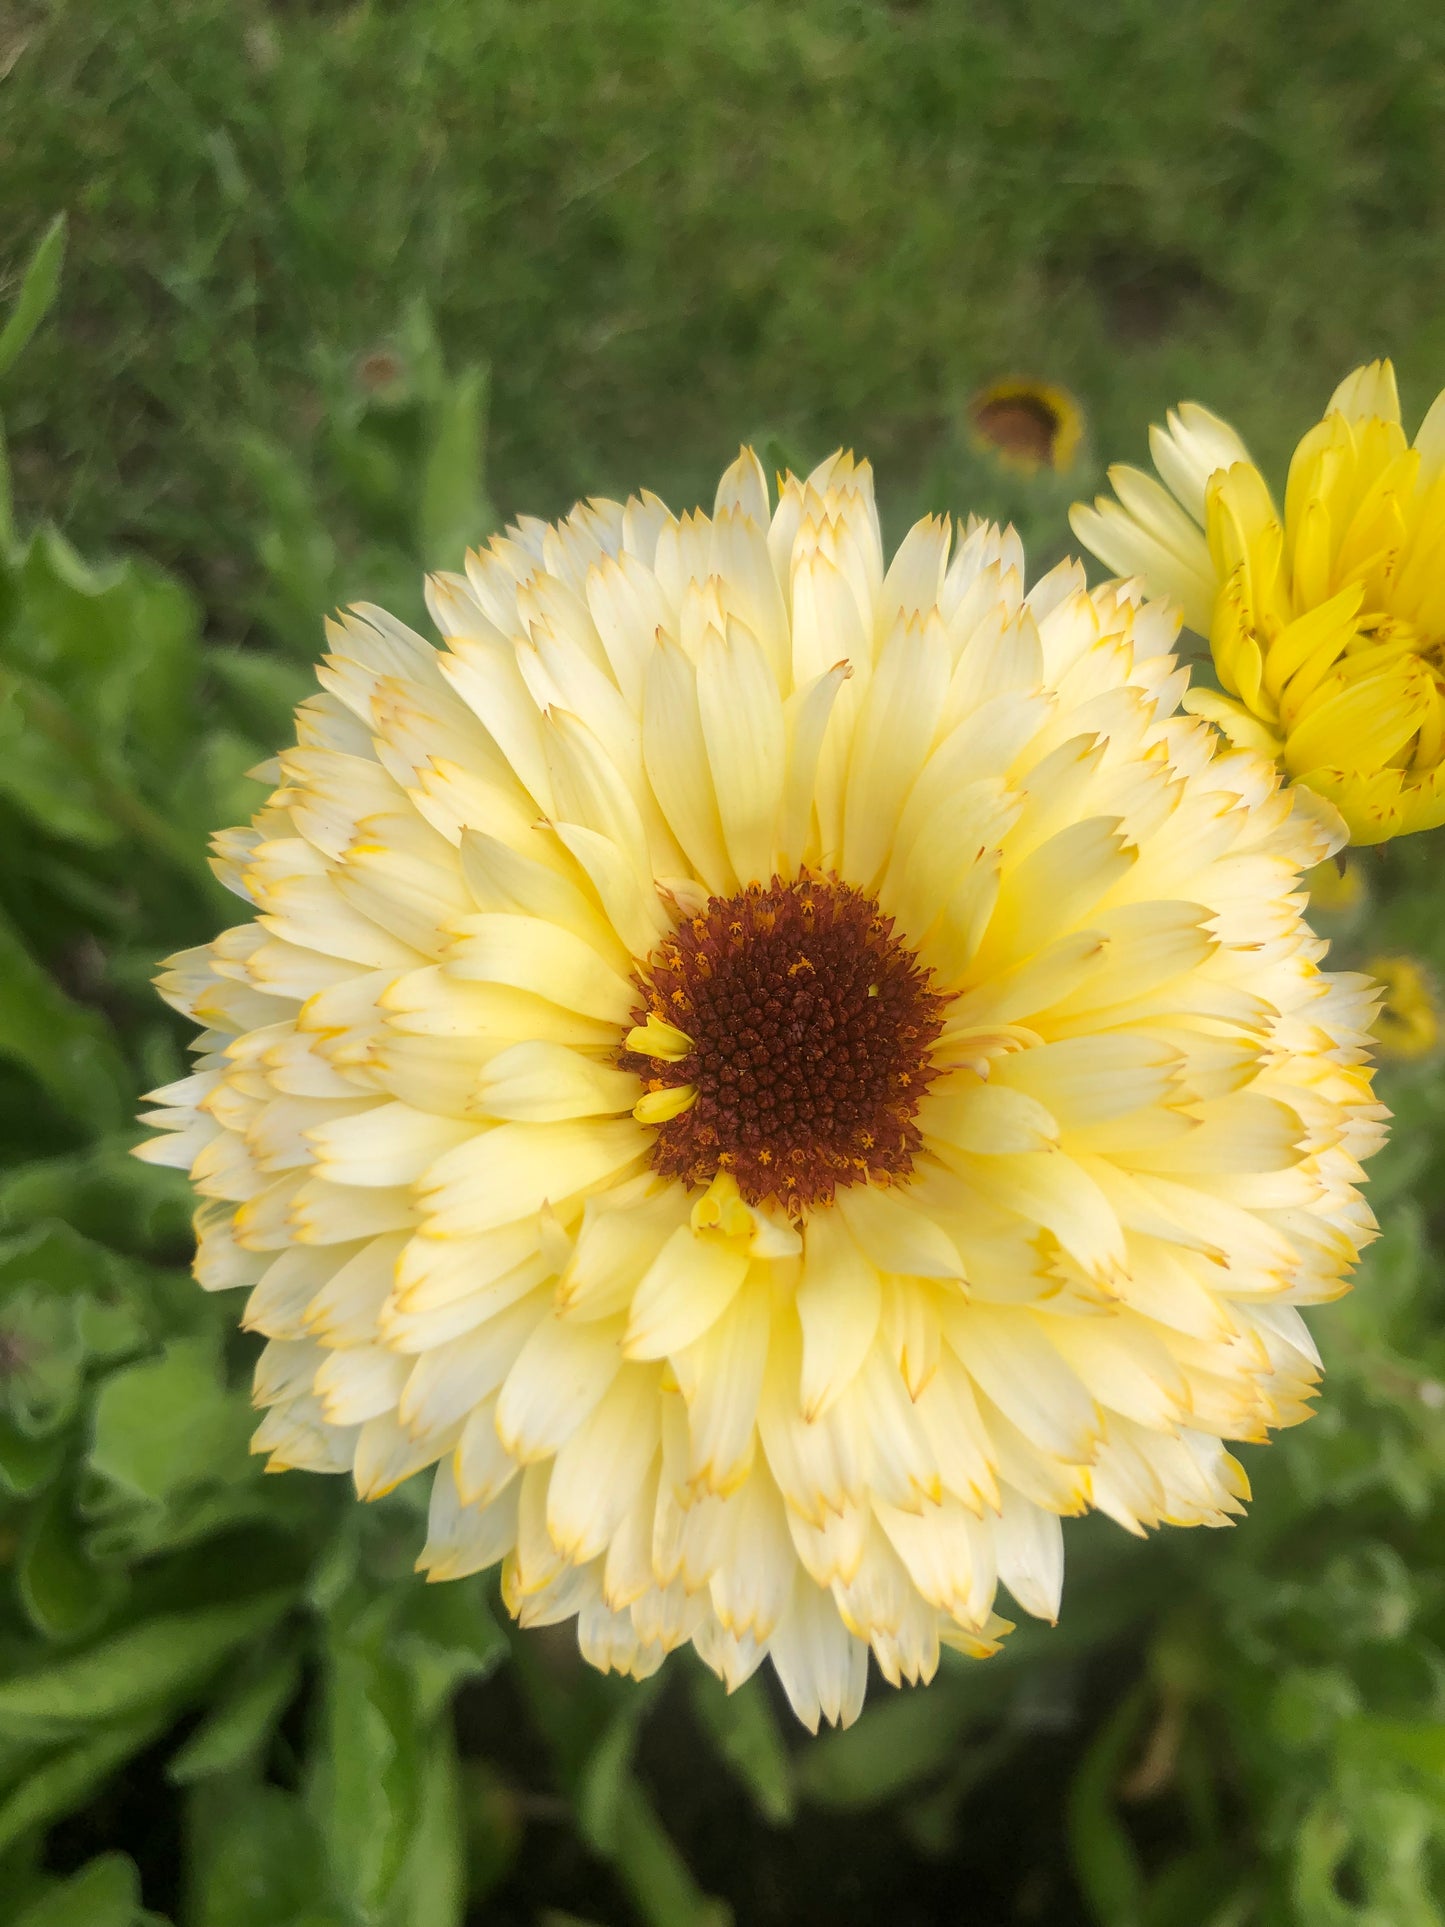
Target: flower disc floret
809	1027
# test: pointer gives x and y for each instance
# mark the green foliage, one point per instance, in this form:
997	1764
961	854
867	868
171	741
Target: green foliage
338	279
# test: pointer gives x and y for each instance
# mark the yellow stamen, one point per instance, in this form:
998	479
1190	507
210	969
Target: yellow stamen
722	1208
658	1039
656	1107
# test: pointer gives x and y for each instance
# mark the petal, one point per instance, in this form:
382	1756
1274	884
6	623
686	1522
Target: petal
512	1170
543	1083
839	1299
560	1375
533	955
691	1282
742	726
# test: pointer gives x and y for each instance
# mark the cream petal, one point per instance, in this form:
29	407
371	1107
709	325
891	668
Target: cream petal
988	1119
892	739
560	1375
1007	1353
615	1247
721	1377
1192	448
534	882
895	1235
543	1083
957	1437
949	1555
1030	1546
386	1144
1123	1367
1087	1080
387	1455
360	1383
689	1284
839	1299
806	714
280	1298
462	1538
629	896
512	1170
742	726
481	1465
752	1583
531	954
675	753
601	1467
823	1667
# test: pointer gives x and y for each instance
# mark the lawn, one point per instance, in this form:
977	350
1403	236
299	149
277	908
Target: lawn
343	289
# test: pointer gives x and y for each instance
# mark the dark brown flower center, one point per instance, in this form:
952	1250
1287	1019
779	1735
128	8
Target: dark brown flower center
811	1027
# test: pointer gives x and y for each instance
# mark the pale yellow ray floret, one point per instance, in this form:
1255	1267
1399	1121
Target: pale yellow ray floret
775	1075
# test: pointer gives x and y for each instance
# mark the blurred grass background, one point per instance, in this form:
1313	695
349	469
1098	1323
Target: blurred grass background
344	287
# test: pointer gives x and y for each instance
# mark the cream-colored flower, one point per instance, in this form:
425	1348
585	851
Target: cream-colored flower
779	1076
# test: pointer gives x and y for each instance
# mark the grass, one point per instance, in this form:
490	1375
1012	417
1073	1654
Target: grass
668	228
660	230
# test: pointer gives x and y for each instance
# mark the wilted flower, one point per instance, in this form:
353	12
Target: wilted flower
779	1076
1326	622
1027	424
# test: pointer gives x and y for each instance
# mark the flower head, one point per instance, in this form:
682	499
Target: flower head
778	1076
1027	424
1327	622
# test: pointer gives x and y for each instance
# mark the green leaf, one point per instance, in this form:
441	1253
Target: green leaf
63	1593
262	691
435	1885
171	1423
453	514
899	1742
54	1255
240	1723
654	1872
1105	1863
255	1860
444	1635
66	1048
105	1893
27	1463
158	1660
1419	1744
118	650
604	1779
44	1354
7	523
492	1825
65	1778
366	1788
742	1728
38	289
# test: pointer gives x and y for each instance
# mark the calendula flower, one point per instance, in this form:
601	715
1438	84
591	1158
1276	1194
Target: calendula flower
780	1076
1027	424
1407	1024
1327	621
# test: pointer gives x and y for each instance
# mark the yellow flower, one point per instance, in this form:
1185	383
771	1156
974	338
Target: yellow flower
1327	623
779	1074
1027	424
1407	1025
